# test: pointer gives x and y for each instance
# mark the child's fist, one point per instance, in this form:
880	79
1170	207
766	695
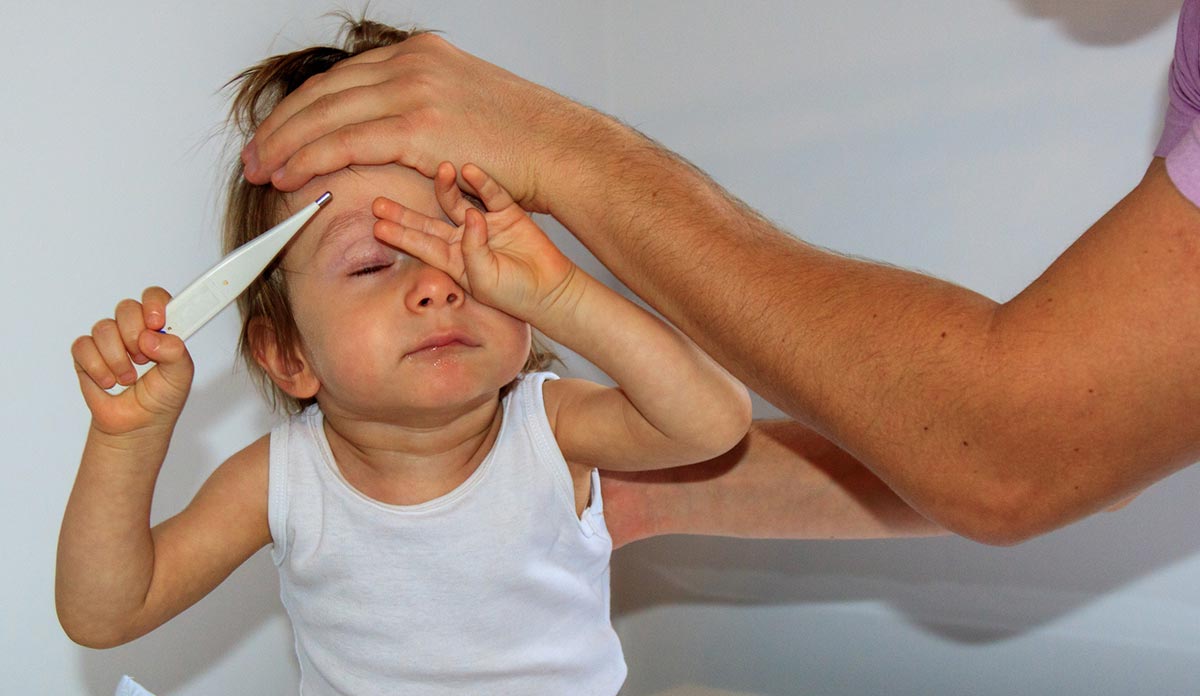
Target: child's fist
106	358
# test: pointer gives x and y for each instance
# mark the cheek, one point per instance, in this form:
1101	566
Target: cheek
517	339
349	333
331	334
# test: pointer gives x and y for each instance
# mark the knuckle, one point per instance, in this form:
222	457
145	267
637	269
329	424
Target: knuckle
128	307
426	117
265	140
93	367
422	84
345	138
428	39
81	347
324	106
421	61
302	160
87	357
313	82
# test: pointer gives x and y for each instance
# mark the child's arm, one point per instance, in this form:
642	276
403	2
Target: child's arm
117	578
674	404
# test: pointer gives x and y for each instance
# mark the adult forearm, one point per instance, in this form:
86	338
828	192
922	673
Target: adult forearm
985	418
783	481
788	318
837	343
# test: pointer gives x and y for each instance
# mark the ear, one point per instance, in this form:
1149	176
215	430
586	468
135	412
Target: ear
288	369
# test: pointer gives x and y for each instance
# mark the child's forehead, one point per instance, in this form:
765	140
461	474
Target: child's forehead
342	223
357	186
348	214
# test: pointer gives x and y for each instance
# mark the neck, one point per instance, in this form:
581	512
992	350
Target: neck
416	460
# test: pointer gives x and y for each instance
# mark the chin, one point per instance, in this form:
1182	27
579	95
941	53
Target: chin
450	385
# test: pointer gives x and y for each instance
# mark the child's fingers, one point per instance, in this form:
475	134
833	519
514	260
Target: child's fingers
91	390
445	187
154	307
130	324
391	211
95	393
174	372
167	350
475	237
107	339
490	191
417	243
90	365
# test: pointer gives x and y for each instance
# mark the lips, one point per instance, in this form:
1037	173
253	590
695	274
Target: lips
441	340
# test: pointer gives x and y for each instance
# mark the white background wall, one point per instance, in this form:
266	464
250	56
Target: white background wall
972	140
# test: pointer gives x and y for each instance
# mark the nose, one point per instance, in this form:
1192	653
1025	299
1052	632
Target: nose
433	289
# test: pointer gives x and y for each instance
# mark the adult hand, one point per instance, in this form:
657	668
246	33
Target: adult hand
417	103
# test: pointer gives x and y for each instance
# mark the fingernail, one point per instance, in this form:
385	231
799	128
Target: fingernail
128	377
153	341
279	175
250	158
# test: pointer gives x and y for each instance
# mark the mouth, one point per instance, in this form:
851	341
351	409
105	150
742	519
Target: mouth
442	341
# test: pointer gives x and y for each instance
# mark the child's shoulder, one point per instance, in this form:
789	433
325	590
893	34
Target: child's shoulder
256	453
562	392
243	477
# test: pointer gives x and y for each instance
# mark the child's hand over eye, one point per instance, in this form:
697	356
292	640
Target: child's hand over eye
500	256
105	358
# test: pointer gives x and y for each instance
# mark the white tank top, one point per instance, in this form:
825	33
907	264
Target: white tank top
496	587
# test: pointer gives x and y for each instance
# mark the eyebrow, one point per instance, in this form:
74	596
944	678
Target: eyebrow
342	222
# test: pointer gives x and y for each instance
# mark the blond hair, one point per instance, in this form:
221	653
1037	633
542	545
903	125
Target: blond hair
252	209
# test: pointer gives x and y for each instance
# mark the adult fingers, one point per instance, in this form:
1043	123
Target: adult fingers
381	141
356	71
375	55
377	84
307	115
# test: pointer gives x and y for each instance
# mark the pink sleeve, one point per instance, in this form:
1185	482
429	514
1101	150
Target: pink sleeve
1184	107
1180	141
1183	164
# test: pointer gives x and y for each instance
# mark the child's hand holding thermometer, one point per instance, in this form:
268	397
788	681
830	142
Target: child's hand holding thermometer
97	359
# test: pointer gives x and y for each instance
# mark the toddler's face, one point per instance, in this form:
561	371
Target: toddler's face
386	334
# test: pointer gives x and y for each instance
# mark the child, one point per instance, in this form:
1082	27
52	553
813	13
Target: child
434	513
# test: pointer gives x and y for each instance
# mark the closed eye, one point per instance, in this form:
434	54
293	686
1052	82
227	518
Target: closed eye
371	269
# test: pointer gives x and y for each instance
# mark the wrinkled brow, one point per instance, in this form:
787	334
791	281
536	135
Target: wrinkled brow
343	223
